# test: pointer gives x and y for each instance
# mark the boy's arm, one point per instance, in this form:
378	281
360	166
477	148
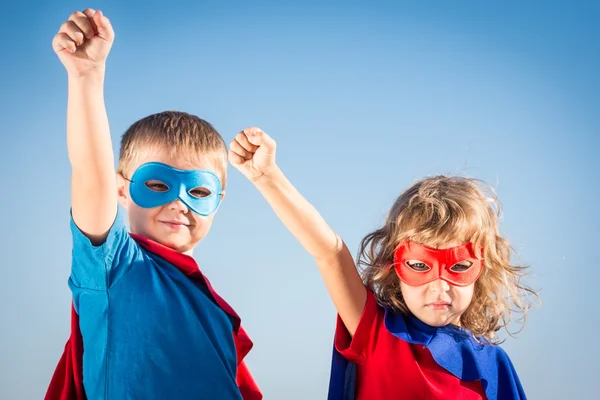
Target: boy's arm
253	153
82	45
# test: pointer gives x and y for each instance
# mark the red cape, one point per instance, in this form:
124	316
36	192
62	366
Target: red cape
67	381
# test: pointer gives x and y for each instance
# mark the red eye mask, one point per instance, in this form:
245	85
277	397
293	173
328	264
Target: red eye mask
429	264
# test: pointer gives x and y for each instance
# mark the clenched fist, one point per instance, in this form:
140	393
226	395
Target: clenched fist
83	42
252	152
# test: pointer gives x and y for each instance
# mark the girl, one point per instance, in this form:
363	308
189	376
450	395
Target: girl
436	285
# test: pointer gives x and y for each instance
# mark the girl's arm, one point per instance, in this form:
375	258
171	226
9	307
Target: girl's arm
252	152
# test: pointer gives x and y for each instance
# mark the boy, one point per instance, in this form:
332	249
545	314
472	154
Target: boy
146	324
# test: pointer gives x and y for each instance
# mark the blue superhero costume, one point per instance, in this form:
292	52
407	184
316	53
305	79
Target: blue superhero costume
152	279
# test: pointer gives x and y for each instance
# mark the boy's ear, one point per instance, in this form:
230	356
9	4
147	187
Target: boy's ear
122	189
221	201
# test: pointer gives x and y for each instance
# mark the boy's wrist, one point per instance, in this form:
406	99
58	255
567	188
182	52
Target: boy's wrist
94	75
270	178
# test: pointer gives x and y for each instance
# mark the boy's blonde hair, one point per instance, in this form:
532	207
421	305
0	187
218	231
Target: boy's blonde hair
436	211
176	134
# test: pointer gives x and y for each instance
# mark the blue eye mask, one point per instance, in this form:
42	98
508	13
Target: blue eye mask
176	184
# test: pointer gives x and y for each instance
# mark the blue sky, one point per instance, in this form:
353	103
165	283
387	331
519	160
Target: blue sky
363	99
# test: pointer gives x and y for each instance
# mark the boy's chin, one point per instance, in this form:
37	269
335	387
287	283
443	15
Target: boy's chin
182	241
178	244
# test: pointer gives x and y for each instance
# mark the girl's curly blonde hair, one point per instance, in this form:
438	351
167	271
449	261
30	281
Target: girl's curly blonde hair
436	211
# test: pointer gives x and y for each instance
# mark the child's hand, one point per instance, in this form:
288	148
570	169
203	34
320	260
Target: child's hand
252	152
83	42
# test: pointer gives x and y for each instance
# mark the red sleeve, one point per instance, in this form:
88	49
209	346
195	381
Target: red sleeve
354	348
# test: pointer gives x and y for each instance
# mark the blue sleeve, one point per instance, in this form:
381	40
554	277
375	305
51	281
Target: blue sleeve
99	267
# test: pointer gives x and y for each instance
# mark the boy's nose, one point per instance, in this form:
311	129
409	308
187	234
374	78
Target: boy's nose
178	205
439	286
